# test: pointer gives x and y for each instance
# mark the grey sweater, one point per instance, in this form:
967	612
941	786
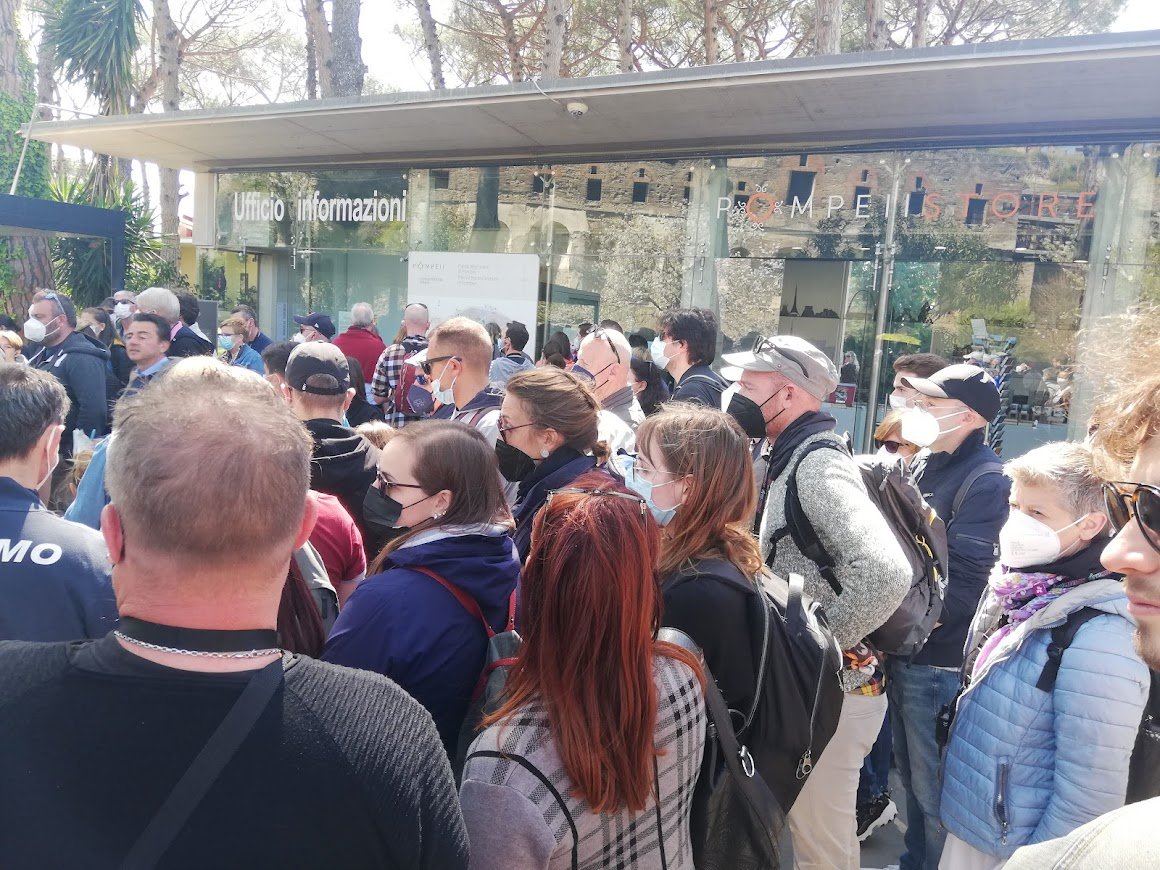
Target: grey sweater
870	565
513	821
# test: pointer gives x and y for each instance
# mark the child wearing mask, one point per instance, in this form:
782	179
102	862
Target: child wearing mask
1040	742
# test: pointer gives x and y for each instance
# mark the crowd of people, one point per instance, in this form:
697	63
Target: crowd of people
479	610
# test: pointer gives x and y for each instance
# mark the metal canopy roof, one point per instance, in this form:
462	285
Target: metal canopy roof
1076	89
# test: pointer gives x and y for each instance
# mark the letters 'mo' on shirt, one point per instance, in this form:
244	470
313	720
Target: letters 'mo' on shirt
38	554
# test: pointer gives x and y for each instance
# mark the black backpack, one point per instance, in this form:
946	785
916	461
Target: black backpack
798	701
916	526
1144	768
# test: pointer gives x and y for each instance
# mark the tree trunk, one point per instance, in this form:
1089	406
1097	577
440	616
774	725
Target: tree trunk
624	35
319	35
168	62
554	21
829	29
921	14
311	57
346	65
142	168
485	228
709	30
875	26
11	82
45	80
431	44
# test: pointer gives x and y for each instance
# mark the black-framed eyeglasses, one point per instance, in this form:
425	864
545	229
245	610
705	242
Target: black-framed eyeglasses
601	332
386	484
766	345
576	490
503	430
1143	503
430	361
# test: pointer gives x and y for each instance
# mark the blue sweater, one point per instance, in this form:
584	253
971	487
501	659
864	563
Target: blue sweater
1023	766
404	624
972	540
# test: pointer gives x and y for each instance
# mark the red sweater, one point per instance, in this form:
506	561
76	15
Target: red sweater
363	345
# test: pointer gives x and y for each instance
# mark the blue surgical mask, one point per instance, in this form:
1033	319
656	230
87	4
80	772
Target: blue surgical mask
644	489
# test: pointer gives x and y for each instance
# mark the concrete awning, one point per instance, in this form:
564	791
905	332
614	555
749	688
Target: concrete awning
1083	89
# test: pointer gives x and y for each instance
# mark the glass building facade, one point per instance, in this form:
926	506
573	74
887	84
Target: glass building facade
1009	254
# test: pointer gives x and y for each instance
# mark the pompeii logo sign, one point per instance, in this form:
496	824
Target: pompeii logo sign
762	206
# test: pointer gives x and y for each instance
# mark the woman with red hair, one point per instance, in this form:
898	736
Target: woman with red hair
598	717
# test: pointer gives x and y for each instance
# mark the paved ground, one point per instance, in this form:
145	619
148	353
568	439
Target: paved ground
885	845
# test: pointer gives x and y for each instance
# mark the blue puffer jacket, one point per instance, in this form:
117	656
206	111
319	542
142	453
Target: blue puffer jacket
1022	765
404	624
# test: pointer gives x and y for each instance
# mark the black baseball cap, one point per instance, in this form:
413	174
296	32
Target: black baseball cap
318	367
963	382
321	322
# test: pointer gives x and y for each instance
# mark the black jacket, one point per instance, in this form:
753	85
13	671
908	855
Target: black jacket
54	575
80	363
344	464
559	469
972	540
188	343
700	385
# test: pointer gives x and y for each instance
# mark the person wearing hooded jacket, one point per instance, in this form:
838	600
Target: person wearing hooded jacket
438	492
76	360
1028	761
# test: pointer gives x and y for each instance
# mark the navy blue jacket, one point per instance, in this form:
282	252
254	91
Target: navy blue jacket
79	363
558	470
972	540
404	624
55	577
701	386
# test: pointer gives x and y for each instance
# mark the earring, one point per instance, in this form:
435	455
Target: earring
544	453
437	516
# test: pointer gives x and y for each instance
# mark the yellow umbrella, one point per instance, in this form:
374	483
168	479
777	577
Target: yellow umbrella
899	336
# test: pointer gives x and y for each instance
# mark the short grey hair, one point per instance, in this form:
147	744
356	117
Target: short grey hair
33	401
161	300
202	430
361	314
1065	466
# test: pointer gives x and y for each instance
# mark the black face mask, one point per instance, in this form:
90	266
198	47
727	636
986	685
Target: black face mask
514	464
748	413
381	511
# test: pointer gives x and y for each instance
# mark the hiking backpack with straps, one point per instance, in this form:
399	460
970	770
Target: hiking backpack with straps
797	701
915	525
502	648
408	374
1144	768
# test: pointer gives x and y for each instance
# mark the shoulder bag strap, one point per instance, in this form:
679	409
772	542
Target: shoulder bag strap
204	770
465	601
547	783
1061	638
965	487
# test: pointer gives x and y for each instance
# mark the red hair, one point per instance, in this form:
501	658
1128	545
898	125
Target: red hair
591	604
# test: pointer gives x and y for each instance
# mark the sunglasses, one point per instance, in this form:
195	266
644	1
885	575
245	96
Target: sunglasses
430	361
1143	503
893	446
575	490
766	346
386	484
600	332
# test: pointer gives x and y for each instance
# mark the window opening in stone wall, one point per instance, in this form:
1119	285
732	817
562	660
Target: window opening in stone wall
976	208
440	179
593	191
537	183
801	186
640	191
803	159
859	191
865	174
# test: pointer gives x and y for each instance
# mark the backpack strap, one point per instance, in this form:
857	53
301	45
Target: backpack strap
965	487
547	783
798	526
1061	638
465	601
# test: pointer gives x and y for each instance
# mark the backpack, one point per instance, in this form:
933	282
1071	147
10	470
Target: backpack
1144	768
407	376
502	648
918	530
798	700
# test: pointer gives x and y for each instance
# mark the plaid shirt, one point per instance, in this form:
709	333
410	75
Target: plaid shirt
864	661
388	370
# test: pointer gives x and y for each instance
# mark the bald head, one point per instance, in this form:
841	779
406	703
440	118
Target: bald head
607	356
198	461
416	320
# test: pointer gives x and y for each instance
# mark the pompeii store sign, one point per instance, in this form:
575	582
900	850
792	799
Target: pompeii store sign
762	206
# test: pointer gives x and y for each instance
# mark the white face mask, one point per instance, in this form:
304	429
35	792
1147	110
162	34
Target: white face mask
1024	541
299	337
34	330
122	310
936	420
657	349
897	402
918	427
445	395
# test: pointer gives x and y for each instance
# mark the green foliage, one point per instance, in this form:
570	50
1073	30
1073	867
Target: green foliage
95	42
82	265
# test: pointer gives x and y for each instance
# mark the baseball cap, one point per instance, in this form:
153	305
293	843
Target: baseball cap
791	357
963	382
321	322
318	367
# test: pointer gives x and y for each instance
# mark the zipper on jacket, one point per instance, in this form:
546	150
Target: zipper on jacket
1001	798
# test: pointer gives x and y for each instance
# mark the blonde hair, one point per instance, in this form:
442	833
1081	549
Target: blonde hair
236	323
13	339
559	400
1123	423
891	424
1066	467
710	447
377	432
465	339
248	443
